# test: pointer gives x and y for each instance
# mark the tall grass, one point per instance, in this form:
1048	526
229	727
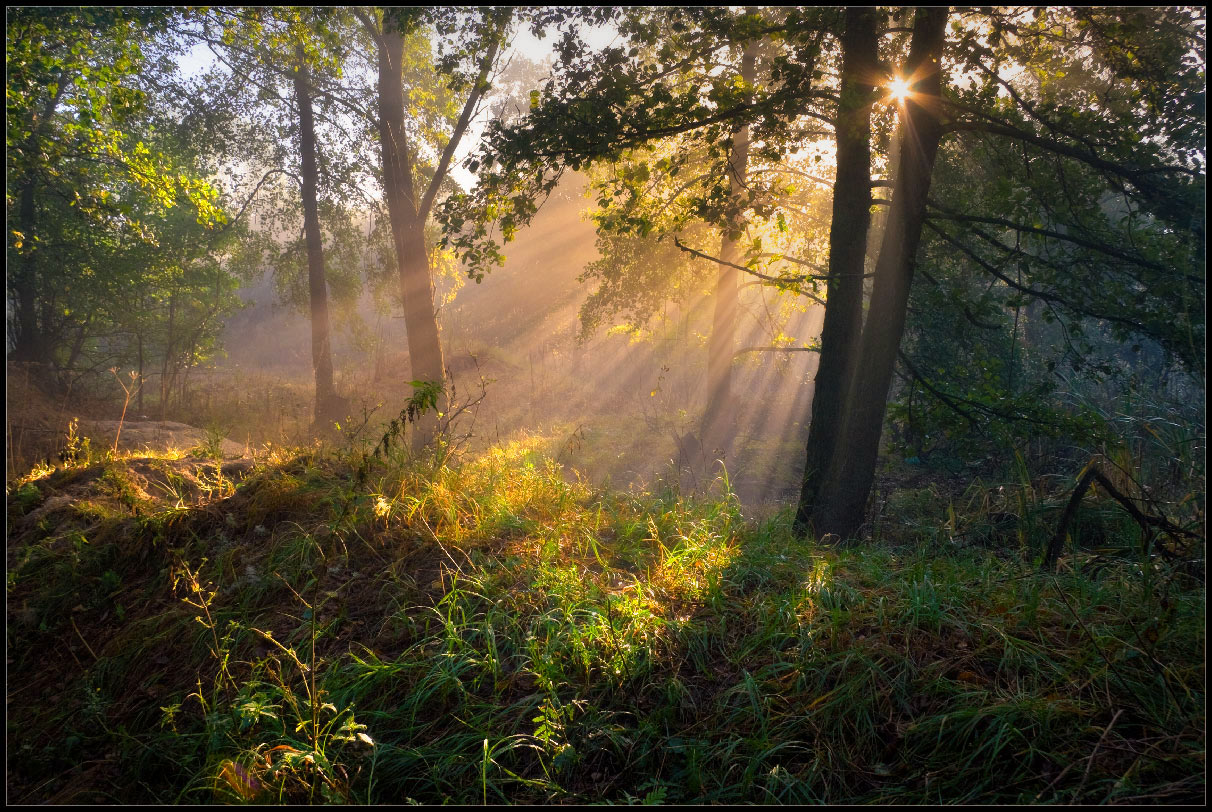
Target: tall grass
491	630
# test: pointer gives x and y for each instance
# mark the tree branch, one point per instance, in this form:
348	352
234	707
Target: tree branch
788	283
469	107
950	214
775	349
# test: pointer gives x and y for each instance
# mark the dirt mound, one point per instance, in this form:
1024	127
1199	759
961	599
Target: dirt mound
156	435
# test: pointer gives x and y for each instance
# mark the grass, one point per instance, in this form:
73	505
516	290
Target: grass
490	631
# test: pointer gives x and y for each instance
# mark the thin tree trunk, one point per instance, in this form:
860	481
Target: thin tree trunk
851	221
844	497
317	285
140	358
170	339
723	324
78	344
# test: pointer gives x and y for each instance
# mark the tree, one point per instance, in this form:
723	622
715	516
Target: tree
722	342
851	469
848	248
1146	63
85	174
275	56
327	403
408	206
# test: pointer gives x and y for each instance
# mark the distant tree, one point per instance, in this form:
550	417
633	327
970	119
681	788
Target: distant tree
282	65
87	176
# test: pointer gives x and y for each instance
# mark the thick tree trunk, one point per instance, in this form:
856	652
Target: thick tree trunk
408	231
317	283
722	344
408	214
31	344
844	497
847	251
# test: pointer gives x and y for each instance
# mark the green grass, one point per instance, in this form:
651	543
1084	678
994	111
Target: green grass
490	631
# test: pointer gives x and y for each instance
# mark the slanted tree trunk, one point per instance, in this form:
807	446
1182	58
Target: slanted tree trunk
847	251
327	404
722	344
844	496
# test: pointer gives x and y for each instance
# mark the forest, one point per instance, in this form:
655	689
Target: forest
592	405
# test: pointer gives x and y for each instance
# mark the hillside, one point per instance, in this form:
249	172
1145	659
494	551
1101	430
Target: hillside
301	627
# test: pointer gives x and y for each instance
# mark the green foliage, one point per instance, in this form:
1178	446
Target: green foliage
600	105
120	250
93	187
1057	284
1065	223
491	631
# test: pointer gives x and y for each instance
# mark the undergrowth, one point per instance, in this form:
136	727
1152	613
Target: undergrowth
319	628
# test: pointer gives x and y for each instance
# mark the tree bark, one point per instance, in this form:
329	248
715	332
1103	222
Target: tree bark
31	344
140	360
847	251
408	229
317	283
844	495
406	214
724	318
170	339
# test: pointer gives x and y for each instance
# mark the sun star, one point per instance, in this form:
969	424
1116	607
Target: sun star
898	89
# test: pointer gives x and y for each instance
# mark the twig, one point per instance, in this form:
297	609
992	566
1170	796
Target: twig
82	640
135	384
1093	753
1093	474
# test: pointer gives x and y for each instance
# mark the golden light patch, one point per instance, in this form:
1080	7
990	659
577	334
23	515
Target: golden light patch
899	89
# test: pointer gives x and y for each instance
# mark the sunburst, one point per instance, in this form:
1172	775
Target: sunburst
899	89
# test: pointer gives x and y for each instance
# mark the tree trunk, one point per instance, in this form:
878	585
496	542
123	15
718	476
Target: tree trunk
140	359
848	485
321	345
847	251
722	343
169	341
29	345
408	231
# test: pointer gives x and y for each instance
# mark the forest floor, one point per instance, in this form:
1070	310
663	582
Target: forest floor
304	625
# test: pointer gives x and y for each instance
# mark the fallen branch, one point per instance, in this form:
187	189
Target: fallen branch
1146	521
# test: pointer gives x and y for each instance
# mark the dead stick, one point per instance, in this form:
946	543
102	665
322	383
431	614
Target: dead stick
1145	521
82	640
1093	753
